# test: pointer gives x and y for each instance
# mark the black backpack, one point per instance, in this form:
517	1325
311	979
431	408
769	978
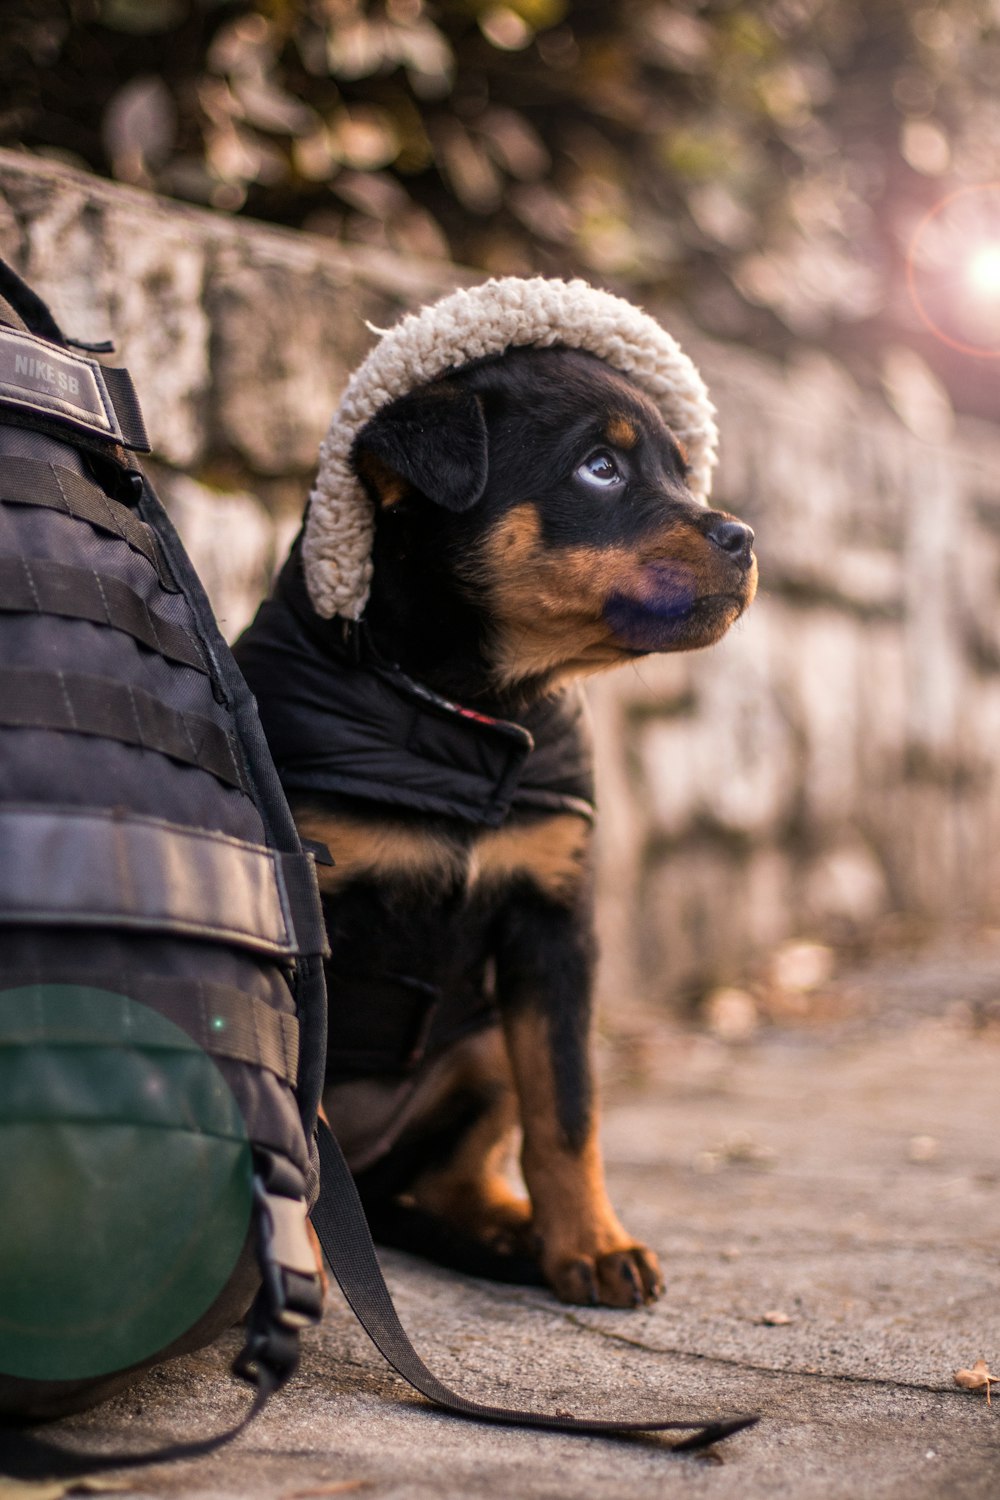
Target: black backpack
162	1011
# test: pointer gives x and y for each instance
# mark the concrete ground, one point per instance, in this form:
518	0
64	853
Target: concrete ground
826	1198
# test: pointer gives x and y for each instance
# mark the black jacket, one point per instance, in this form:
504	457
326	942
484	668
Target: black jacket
340	719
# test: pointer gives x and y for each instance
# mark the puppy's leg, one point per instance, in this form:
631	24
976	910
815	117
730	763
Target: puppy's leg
468	1188
544	972
439	1188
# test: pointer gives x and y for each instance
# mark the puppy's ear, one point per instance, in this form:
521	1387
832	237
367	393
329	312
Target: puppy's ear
434	440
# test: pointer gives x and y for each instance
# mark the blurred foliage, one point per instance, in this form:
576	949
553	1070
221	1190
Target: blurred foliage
766	164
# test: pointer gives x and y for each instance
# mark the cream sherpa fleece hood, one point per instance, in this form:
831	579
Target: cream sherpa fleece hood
468	325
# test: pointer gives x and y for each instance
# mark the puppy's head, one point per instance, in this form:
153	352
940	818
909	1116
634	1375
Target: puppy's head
556	499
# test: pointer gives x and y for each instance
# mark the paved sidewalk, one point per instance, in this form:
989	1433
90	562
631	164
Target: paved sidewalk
845	1178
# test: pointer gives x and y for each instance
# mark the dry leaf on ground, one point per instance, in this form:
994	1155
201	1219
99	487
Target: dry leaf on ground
338	1487
977	1378
56	1489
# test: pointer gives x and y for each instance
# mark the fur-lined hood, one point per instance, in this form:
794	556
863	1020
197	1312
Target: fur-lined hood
469	325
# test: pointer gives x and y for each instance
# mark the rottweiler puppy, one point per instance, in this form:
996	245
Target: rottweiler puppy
532	525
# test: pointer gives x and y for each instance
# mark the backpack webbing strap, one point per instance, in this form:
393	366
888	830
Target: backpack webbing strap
38	585
339	1221
97	868
77	703
225	1021
28	481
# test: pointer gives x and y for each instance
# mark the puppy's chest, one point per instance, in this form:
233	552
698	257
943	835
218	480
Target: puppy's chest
436	863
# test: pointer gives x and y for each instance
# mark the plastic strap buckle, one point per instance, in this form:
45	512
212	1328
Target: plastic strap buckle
291	1293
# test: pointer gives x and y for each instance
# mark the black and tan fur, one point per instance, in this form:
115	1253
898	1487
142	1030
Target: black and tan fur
506	562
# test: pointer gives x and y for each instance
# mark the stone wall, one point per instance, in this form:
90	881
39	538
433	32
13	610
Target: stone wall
833	763
830	763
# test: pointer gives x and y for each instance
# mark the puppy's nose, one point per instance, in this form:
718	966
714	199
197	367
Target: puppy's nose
735	538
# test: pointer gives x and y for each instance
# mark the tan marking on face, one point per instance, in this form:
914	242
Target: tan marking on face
516	540
548	603
550	853
380	849
621	431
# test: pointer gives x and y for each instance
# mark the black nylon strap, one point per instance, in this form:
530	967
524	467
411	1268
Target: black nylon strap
23	1456
42	586
23	308
298	873
26	481
224	1020
79	704
120	388
94	867
245	1029
340	1224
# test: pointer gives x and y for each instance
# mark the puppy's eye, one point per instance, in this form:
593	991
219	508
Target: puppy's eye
601	469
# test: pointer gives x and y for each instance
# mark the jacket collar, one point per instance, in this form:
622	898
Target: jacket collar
339	719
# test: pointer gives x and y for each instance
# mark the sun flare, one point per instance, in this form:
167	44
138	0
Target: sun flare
984	270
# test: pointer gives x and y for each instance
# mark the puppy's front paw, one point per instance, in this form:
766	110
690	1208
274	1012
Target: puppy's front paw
627	1277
